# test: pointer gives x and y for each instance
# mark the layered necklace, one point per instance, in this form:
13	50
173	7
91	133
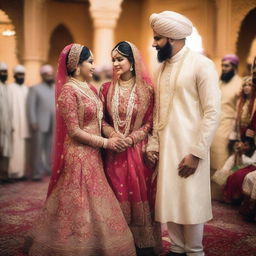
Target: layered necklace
84	88
118	122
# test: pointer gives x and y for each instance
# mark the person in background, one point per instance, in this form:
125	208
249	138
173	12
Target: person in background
230	85
41	109
18	93
6	128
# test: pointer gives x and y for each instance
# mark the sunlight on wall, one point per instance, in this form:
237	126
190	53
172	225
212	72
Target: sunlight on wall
194	42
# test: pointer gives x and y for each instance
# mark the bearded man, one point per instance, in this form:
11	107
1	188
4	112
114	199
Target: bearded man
230	85
186	117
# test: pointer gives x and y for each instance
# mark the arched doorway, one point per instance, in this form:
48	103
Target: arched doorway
59	39
7	42
247	34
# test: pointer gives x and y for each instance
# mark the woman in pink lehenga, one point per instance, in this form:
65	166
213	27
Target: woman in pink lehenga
128	102
81	215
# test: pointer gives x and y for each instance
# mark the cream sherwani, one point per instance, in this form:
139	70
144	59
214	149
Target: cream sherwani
192	118
229	96
21	130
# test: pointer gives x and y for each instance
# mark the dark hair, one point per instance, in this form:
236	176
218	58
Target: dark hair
84	55
125	50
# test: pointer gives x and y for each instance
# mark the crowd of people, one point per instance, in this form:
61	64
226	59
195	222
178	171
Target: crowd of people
155	140
27	118
233	152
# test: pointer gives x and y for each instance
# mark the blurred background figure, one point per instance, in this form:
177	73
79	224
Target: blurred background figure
102	75
41	116
5	123
230	86
18	93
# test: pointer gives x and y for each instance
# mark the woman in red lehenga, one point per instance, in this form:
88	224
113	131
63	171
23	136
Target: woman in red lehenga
128	102
81	215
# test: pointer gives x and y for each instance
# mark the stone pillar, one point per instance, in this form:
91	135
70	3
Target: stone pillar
105	15
223	27
34	35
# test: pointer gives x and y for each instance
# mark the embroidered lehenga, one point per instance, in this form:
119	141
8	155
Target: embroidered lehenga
81	215
128	113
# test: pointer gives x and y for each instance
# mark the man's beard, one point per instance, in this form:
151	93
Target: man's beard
226	77
164	53
50	82
3	78
19	81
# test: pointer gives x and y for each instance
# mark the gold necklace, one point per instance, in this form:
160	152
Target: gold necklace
84	88
115	110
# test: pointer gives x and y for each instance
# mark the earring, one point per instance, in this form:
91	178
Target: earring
131	68
78	71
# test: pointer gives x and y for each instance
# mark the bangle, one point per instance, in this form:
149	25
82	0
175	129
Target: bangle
105	142
130	137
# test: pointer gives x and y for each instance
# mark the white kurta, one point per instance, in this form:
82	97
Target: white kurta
229	96
5	121
21	130
192	121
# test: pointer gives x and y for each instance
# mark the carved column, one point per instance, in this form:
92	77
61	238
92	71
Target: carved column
105	15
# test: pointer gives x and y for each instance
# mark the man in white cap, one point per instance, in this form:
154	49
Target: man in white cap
41	117
19	93
186	117
5	123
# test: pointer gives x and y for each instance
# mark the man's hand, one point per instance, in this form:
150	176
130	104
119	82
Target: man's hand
188	166
151	158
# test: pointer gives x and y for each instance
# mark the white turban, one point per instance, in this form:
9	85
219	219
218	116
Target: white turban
19	69
171	24
46	69
3	66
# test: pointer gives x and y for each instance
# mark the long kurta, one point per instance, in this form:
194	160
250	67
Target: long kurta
229	96
191	123
17	163
6	121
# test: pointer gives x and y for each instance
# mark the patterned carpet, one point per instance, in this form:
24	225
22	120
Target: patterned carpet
226	235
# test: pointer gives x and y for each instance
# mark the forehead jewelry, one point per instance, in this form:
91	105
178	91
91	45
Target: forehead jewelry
120	52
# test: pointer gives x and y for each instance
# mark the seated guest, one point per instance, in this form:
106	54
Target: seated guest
248	206
233	188
242	156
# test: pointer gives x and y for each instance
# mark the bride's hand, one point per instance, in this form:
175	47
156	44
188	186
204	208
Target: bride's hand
117	144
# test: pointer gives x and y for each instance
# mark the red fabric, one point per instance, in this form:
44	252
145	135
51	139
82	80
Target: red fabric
127	173
60	130
233	187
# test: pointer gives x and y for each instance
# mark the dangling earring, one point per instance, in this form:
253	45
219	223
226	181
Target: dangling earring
78	71
131	68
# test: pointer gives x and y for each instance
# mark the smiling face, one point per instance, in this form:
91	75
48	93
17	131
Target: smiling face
121	64
87	68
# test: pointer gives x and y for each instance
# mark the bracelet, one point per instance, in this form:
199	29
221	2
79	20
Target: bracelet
105	142
130	137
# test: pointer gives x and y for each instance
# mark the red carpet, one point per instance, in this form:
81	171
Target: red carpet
226	235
